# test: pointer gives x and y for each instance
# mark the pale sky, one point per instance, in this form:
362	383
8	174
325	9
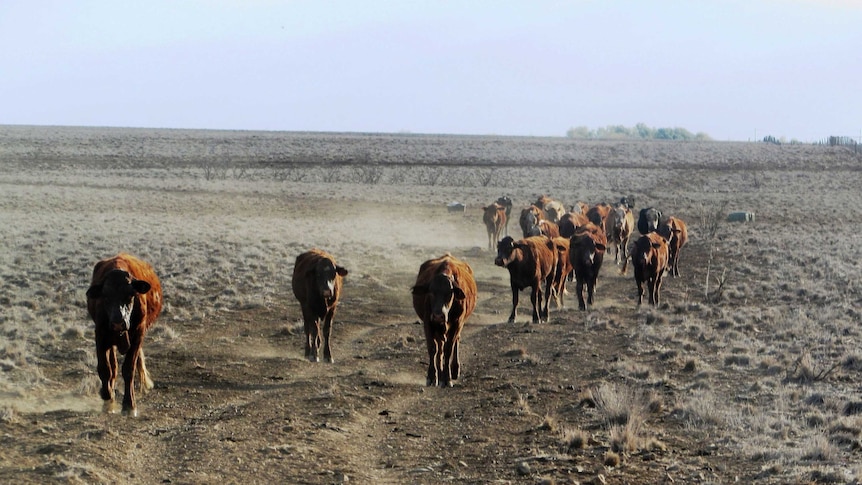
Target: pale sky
733	69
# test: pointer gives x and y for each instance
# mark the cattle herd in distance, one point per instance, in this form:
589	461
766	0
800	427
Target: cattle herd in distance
124	298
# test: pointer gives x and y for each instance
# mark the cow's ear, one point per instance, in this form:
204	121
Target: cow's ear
600	246
419	289
655	245
342	271
459	293
94	291
140	286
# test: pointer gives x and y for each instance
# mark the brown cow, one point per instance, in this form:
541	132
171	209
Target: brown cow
124	300
580	208
650	258
562	270
587	251
621	223
531	262
495	220
598	215
444	296
548	228
570	221
676	233
552	210
317	282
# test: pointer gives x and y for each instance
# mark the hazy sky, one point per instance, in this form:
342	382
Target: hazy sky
732	69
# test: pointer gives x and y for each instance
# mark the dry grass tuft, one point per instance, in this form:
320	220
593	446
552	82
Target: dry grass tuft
612	459
574	439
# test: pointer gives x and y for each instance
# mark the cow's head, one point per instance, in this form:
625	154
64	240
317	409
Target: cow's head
117	293
505	248
649	220
325	273
444	292
587	248
668	231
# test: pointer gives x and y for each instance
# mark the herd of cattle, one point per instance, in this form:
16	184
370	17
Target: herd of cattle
558	245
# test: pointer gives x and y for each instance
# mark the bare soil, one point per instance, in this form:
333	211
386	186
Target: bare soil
748	372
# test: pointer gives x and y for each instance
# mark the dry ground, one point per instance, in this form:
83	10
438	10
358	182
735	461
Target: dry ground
749	372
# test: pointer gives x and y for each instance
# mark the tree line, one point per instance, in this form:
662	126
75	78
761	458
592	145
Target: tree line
638	132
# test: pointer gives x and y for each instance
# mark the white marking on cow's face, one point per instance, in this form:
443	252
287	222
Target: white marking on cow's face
330	289
121	316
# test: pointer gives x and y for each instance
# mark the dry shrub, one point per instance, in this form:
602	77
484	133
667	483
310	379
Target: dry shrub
818	448
624	410
701	410
612	459
574	439
550	423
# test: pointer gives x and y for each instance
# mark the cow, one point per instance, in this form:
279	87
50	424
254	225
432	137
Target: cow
628	201
552	210
620	225
648	220
124	300
570	221
529	219
562	270
676	233
586	252
444	296
317	282
531	262
542	201
580	208
506	202
598	214
547	228
649	258
495	220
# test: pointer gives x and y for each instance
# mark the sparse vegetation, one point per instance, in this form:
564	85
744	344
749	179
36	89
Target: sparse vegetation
746	373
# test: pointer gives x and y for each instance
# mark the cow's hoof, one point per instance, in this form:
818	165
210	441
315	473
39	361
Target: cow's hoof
130	412
330	360
110	407
313	358
430	383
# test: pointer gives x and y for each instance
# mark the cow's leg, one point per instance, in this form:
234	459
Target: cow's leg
536	300
130	364
455	360
549	291
658	280
640	290
651	284
312	334
675	269
327	332
433	355
515	297
106	366
579	289
143	374
591	289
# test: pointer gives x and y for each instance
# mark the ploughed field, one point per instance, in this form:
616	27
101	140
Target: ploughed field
749	370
